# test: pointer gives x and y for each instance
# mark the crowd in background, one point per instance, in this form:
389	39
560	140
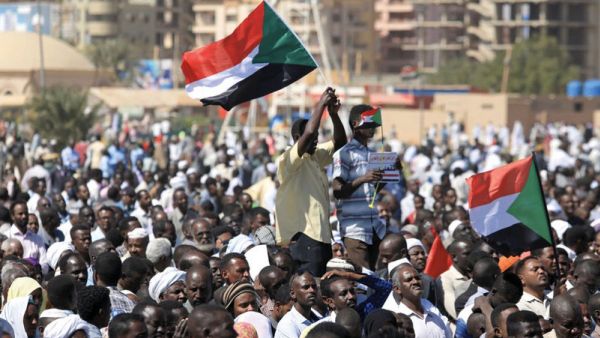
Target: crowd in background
147	234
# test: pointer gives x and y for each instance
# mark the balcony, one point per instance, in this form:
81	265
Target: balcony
398	26
105	29
477	8
401	7
103	7
480	33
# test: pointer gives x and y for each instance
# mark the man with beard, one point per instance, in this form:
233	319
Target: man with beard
198	286
203	236
33	244
304	294
535	280
406	298
337	290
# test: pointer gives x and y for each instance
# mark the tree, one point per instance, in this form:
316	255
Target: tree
537	66
62	113
115	56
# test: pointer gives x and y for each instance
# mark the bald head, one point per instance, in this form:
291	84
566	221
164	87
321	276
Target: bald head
210	321
12	247
192	258
566	316
391	248
485	272
587	274
198	283
99	247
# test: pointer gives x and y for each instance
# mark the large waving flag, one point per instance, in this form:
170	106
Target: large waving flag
261	56
507	208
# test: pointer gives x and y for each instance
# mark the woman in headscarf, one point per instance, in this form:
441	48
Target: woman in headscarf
240	297
26	286
70	326
260	322
22	314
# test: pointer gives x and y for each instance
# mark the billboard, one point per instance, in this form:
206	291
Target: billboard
154	74
25	17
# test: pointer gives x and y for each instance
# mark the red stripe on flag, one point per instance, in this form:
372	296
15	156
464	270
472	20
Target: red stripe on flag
506	180
226	53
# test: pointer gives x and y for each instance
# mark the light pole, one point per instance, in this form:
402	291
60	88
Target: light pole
41	44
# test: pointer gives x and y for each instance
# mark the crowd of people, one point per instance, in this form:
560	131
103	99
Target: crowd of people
179	235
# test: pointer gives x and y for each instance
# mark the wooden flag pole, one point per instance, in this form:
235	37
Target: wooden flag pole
557	272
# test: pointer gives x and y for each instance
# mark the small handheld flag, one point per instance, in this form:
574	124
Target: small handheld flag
261	56
370	118
508	209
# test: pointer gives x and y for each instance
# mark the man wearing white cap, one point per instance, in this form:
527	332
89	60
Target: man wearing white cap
137	241
168	285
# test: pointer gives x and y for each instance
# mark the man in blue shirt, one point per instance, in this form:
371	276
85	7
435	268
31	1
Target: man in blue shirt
354	187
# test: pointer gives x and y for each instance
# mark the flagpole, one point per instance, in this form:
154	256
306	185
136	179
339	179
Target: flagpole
557	272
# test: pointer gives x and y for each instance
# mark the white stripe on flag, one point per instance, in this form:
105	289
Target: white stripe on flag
218	83
489	218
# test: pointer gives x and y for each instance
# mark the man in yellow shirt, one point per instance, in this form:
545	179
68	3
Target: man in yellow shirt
302	202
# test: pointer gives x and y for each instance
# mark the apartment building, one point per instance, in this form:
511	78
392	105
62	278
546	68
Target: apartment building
500	23
344	40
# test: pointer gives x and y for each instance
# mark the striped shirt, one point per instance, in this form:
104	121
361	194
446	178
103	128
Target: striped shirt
357	220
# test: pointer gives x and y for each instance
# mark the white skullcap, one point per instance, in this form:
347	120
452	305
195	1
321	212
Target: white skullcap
55	251
65	327
182	164
412	242
452	227
191	171
339	263
271	168
411	229
230	152
239	244
178	181
137	233
158	248
560	227
162	280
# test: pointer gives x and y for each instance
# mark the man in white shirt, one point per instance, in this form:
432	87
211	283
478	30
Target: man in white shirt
94	186
33	245
142	211
304	294
535	280
456	280
406	299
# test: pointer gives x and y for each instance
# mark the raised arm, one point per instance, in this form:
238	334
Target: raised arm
311	131
339	134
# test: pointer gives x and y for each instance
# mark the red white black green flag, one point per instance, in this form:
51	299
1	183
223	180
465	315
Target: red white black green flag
261	56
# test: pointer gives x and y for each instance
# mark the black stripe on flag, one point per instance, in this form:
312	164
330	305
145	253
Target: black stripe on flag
516	239
265	81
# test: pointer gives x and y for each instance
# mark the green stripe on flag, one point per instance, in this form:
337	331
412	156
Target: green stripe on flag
279	43
377	117
529	206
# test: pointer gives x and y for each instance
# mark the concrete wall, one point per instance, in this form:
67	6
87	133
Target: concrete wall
481	109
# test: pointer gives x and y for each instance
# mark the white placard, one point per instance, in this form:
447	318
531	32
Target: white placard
387	163
258	258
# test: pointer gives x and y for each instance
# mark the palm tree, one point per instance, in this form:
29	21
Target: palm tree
62	113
